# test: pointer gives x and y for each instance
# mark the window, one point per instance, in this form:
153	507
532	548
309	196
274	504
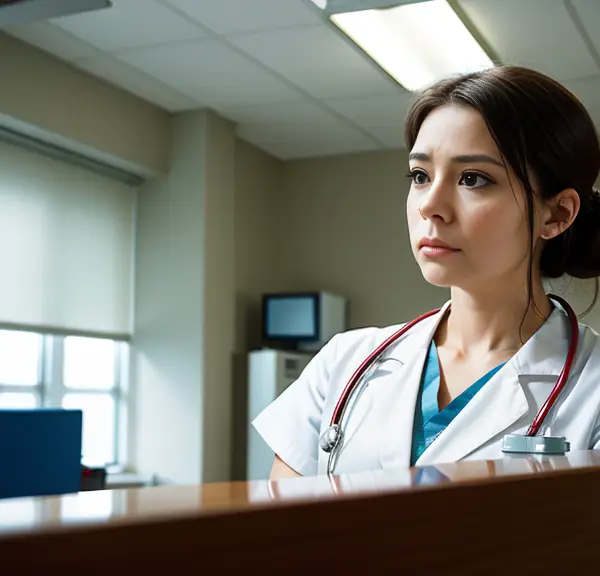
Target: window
77	372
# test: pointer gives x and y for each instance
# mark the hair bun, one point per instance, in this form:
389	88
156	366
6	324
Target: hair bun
576	251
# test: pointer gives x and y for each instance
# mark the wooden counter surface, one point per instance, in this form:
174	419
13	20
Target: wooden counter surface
521	515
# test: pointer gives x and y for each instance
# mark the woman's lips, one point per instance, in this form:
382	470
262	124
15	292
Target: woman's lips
435	248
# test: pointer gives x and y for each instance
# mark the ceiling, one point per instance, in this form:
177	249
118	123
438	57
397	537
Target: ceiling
291	82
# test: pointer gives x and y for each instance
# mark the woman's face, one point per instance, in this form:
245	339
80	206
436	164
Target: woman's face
463	199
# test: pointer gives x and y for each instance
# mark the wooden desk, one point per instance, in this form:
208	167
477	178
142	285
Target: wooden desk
511	516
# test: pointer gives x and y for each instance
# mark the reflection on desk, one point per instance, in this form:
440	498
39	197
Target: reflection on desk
117	507
440	476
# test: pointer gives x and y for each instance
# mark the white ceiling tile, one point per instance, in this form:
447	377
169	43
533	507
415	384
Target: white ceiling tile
300	130
231	16
212	73
137	82
589	13
129	24
318	60
382	116
534	33
290	113
53	40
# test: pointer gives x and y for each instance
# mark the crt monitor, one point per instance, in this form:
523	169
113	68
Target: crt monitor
305	320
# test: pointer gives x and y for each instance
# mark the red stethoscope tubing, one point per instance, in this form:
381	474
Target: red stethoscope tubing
544	410
564	375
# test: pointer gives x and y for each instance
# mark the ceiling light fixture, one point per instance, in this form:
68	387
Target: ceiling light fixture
417	42
15	12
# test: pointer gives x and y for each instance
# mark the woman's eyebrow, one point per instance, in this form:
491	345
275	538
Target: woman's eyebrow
461	159
471	158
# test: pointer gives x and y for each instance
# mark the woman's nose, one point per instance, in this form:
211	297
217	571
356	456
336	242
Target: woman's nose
435	205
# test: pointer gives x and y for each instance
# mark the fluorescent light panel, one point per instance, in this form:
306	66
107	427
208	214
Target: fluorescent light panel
417	44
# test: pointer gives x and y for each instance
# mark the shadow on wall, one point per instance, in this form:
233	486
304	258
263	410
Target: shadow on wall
248	337
239	371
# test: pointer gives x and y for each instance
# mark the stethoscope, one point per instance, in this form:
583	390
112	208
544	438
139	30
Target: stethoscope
331	440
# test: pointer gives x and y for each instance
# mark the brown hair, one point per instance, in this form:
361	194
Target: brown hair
543	133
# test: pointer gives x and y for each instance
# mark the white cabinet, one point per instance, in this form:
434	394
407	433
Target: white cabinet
270	372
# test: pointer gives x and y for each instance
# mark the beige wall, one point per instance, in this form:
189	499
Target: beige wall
258	200
344	230
44	92
219	298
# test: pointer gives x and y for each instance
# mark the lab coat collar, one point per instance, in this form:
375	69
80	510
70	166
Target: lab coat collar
495	408
543	354
546	351
417	339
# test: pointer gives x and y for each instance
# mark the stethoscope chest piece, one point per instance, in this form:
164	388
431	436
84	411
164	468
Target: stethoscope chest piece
330	438
547	445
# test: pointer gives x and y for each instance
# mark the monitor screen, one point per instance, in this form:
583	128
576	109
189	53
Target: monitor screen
292	317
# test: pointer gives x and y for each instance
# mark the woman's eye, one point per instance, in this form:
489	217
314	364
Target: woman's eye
419	177
474	180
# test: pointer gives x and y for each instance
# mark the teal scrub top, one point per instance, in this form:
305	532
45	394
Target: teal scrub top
430	422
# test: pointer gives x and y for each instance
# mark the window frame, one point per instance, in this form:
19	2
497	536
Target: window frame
50	389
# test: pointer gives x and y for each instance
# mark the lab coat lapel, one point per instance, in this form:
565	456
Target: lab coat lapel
399	405
400	390
503	401
498	405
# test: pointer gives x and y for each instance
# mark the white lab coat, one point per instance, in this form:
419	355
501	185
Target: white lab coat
379	422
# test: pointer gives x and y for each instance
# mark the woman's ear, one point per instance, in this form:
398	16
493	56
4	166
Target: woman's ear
559	213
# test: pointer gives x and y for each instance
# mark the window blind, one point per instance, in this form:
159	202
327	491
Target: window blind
66	246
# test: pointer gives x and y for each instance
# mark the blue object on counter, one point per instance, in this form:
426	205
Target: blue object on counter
40	452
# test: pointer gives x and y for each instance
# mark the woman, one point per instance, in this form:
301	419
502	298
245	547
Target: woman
502	169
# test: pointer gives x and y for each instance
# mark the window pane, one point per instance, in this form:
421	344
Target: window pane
18	400
98	426
19	358
89	363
